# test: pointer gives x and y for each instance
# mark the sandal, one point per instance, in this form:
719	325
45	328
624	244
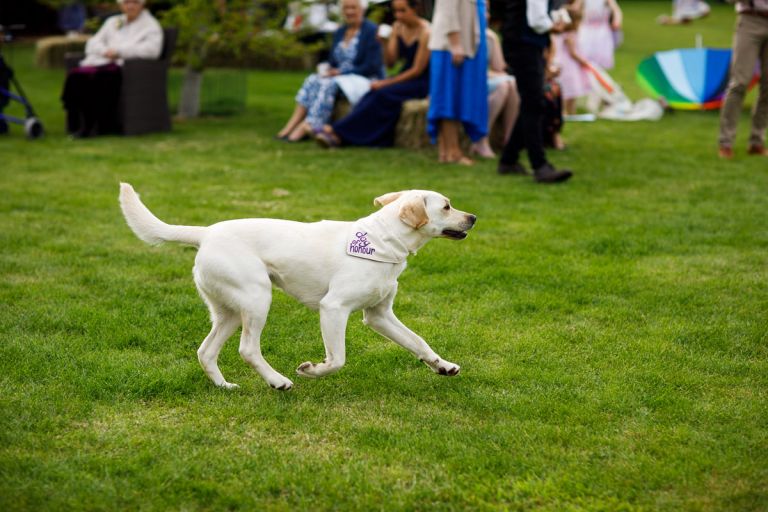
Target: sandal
326	140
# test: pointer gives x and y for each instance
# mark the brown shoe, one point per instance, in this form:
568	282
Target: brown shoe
548	174
725	152
757	149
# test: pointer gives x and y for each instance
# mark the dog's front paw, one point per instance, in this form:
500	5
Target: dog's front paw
306	369
281	384
313	370
228	385
442	367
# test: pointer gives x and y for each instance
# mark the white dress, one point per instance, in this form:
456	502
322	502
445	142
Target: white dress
595	34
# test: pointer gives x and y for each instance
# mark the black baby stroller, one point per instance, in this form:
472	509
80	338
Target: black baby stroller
32	125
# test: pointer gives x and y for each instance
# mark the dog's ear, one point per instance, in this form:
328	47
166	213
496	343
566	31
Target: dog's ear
387	198
414	212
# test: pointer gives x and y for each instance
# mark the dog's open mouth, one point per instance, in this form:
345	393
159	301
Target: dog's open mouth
455	235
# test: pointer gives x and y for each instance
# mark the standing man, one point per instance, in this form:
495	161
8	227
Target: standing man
525	32
750	45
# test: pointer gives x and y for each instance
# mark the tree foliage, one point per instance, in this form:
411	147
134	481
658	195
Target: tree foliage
231	27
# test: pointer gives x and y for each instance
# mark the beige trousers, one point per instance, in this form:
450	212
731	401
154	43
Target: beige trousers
750	45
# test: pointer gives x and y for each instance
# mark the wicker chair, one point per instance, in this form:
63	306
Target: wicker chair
144	92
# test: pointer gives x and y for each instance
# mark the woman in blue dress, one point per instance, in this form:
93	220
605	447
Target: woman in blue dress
458	87
355	53
372	122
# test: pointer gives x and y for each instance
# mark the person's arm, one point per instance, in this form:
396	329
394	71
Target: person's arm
552	69
457	52
148	45
496	61
617	16
97	45
420	63
447	17
391	52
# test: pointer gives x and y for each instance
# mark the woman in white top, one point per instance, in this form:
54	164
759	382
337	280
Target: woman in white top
91	91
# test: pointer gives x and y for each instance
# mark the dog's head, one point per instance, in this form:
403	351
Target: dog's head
429	212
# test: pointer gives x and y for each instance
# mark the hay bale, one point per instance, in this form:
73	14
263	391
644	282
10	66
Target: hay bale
50	51
341	108
411	130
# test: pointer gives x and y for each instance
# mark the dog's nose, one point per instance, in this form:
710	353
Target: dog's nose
472	218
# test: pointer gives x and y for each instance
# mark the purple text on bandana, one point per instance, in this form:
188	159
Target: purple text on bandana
361	244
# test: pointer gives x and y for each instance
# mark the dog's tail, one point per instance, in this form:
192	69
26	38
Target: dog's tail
151	229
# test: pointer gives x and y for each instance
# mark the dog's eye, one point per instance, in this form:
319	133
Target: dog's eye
447	207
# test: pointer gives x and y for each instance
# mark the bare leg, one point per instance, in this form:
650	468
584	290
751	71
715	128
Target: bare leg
440	143
496	102
569	106
382	319
299	113
449	129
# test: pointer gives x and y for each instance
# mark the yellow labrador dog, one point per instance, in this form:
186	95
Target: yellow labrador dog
330	266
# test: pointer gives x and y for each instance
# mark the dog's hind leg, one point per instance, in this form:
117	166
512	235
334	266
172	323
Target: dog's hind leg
382	319
225	322
254	317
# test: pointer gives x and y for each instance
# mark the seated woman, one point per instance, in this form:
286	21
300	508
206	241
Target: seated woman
503	98
92	91
355	60
373	120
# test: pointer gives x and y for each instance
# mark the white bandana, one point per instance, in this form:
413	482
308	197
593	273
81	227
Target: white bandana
370	239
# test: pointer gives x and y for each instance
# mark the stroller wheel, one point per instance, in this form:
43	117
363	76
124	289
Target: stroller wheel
33	128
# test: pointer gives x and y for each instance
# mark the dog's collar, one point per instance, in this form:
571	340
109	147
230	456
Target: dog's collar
370	238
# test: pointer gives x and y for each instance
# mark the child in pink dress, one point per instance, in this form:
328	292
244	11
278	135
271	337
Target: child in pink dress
574	81
600	18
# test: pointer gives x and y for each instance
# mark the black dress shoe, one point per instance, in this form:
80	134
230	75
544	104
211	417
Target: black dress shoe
515	168
548	174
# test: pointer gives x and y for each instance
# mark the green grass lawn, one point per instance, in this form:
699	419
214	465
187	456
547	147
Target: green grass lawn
612	331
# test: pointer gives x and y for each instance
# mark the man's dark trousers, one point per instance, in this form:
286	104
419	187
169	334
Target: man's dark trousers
526	63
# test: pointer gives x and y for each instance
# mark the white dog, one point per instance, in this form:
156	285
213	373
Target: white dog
336	267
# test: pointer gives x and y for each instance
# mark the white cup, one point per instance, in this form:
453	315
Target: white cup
385	31
560	16
323	69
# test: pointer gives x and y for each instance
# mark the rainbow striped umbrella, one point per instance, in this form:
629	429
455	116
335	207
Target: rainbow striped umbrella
689	79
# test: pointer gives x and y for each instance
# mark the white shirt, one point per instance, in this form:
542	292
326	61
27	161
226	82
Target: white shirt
140	39
537	16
